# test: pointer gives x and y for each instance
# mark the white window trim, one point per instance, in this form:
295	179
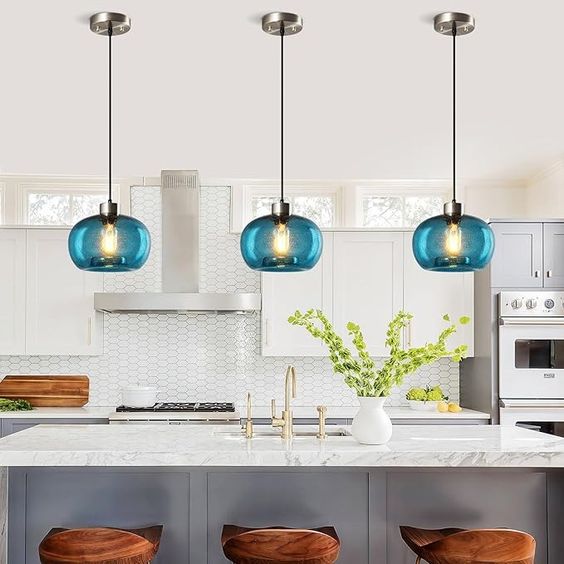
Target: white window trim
399	188
15	189
242	193
348	195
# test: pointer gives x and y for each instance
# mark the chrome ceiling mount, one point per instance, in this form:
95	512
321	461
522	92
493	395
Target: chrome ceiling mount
275	21
445	22
100	23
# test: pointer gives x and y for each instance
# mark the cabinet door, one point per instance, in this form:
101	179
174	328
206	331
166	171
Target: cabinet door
367	284
284	293
553	255
429	295
60	317
12	292
518	260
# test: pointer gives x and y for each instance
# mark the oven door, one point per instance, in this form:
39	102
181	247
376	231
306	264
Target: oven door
531	358
546	416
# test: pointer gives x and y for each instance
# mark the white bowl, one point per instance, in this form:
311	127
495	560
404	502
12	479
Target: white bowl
419	405
139	396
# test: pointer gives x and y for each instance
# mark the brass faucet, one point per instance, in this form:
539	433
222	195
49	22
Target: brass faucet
322	411
249	422
287	420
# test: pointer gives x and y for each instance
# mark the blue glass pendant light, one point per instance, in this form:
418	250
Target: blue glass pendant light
281	241
109	242
453	241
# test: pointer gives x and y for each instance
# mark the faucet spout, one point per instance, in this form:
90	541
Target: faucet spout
286	422
290	387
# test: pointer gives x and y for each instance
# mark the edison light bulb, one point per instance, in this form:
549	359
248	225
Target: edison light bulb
109	242
453	241
281	242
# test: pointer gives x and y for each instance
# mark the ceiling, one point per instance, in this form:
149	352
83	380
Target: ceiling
196	86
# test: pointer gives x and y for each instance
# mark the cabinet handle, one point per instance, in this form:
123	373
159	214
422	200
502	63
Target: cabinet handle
549	273
409	333
89	331
537	273
266	331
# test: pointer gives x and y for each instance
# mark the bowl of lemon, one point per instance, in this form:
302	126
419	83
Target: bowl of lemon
431	399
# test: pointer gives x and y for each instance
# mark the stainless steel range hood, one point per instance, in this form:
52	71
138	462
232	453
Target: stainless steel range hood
180	260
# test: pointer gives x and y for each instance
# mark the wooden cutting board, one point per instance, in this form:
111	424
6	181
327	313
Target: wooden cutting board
47	391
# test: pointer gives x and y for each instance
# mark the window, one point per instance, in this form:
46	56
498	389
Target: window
320	209
399	211
384	204
49	208
321	203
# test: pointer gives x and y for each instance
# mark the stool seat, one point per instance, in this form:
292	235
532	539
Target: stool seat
100	545
280	545
470	546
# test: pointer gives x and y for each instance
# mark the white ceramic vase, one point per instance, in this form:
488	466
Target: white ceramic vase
372	425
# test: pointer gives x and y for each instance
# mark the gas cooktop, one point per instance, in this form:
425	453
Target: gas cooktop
190	407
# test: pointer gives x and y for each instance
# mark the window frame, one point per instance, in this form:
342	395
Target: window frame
243	192
402	189
348	196
15	190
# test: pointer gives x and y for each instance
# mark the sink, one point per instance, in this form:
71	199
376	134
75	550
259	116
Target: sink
269	433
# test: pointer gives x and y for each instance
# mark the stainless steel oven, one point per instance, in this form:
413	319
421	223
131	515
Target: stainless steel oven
531	345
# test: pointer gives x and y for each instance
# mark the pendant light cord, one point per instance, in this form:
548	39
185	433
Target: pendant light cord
454	111
282	33
110	33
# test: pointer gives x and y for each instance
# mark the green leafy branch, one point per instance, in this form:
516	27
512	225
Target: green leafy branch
360	373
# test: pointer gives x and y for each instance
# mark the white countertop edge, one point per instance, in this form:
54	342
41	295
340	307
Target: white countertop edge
259	412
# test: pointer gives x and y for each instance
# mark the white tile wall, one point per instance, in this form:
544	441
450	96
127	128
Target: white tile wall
204	357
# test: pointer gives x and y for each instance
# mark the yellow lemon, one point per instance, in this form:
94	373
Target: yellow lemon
454	408
442	406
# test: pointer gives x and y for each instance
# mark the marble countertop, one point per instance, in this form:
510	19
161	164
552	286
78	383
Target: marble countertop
259	412
412	446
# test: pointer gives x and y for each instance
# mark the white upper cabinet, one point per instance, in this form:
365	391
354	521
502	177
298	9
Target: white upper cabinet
365	277
518	255
367	284
430	295
283	294
12	291
60	315
553	255
46	303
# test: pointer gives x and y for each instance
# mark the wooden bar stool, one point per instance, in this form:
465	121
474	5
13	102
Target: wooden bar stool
280	545
472	546
100	545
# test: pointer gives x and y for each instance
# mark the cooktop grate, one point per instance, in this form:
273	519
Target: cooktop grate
190	407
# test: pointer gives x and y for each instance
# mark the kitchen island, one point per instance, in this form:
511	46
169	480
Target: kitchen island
193	479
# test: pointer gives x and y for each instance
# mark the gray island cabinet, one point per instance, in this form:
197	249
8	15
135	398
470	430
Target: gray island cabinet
194	479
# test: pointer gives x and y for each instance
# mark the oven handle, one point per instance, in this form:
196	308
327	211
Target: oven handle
528	404
532	321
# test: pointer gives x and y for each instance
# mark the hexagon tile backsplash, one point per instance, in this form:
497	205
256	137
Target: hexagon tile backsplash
210	357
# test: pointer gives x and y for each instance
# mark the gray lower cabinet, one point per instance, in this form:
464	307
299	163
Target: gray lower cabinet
10	426
366	506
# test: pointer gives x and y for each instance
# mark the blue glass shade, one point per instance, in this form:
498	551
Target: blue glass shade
444	245
272	244
98	245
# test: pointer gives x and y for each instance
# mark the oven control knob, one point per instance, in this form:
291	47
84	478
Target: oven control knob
516	304
549	304
531	304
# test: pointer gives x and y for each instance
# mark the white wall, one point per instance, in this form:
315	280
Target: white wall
497	199
545	192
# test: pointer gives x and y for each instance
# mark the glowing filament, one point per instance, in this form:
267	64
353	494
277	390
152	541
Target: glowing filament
453	240
109	242
281	243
